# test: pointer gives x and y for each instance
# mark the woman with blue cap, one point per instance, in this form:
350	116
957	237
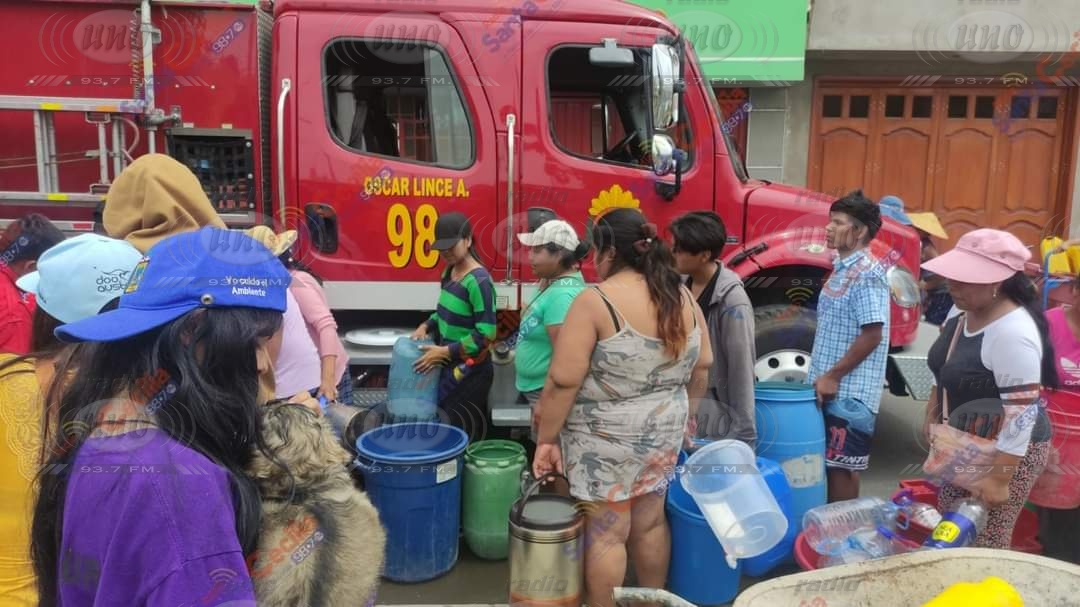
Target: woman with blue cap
74	279
144	499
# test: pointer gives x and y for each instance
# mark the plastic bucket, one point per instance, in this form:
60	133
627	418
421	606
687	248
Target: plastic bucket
730	491
693	572
412	473
1059	484
491	484
791	432
808	559
781	553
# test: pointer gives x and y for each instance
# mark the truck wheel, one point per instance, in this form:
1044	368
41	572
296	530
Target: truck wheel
784	336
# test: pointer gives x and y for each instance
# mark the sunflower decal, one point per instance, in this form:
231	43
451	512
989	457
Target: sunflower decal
613	198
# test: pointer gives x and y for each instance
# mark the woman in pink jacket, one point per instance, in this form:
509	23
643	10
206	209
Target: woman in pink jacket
306	289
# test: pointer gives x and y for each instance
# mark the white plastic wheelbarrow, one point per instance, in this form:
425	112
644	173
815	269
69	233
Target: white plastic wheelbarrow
625	596
910	580
905	580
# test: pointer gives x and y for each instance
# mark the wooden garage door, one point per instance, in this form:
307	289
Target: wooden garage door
978	157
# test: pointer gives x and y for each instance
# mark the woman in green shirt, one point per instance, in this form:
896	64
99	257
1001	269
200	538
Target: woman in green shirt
553	255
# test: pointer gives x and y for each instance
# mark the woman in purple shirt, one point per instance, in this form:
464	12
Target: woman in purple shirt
144	499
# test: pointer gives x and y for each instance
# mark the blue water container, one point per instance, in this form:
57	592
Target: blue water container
791	432
784	552
411	396
412	473
697	571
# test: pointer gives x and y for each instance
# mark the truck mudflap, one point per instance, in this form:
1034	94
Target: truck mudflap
909	374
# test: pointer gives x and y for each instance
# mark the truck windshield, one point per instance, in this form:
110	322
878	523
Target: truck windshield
733	152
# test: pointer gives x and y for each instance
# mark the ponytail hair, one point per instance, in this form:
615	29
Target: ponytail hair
290	262
1021	291
637	247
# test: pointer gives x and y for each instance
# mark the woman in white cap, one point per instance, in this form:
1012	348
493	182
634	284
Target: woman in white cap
990	363
75	279
553	255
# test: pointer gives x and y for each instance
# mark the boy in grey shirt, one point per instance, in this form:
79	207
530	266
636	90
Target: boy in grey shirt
727	411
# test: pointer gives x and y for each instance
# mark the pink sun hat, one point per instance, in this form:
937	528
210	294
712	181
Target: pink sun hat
981	257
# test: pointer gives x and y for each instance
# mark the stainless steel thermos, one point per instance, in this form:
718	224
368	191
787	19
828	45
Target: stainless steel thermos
547	555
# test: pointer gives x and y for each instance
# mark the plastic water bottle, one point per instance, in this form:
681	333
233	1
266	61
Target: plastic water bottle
911	511
960	527
878	543
827	527
865	544
411	395
848	554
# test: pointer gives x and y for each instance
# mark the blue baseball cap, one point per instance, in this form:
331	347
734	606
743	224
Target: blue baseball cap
210	268
893	208
76	278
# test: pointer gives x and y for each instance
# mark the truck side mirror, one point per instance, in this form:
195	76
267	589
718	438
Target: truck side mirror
666	85
663	155
610	55
667	159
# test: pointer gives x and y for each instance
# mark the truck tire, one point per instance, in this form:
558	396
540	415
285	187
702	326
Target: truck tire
784	337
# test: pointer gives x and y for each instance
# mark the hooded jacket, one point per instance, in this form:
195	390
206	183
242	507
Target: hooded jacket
155	197
727	411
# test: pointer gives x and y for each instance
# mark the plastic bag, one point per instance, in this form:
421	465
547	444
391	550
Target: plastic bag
958	457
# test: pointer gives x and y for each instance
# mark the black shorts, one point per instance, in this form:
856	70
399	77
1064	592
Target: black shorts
849	431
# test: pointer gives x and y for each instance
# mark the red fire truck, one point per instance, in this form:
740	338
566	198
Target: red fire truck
359	121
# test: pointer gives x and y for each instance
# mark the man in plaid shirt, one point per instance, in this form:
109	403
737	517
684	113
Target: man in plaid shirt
847	366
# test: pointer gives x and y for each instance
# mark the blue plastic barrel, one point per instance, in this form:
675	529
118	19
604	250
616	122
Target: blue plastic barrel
784	552
412	473
410	395
791	432
697	571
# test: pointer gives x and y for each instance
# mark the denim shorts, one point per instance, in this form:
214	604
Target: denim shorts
849	431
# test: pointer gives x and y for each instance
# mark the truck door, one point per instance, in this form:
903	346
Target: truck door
391	133
586	127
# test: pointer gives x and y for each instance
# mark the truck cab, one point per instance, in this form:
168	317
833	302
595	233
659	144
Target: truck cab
554	104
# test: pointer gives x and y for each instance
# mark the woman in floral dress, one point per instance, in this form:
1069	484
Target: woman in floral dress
629	367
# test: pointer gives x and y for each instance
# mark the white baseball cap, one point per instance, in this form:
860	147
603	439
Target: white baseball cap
556	232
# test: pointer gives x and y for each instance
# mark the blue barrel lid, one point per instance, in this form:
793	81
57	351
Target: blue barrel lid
782	391
412	443
786	386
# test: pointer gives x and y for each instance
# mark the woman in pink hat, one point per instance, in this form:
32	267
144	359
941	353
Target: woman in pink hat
990	373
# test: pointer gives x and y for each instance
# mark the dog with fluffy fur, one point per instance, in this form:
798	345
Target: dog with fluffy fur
321	542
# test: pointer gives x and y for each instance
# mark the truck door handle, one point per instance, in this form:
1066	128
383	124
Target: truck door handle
510	121
286	86
322	224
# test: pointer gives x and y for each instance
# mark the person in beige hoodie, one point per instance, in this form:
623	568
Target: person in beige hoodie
157	196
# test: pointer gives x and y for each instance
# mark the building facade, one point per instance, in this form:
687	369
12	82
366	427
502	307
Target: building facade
967	108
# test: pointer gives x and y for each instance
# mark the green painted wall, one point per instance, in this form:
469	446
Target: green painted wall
742	40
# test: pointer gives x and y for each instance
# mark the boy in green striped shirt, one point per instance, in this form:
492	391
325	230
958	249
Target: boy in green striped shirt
463	325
